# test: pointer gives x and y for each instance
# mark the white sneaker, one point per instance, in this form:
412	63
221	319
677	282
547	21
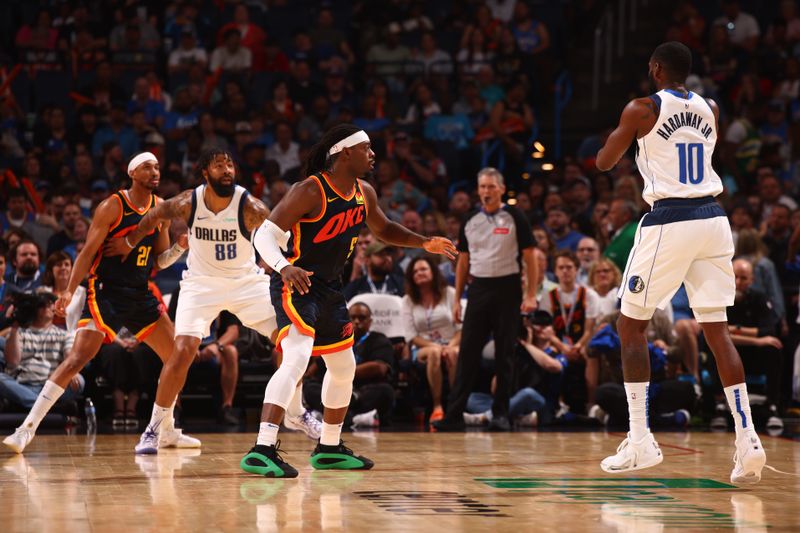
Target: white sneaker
598	413
476	419
305	423
19	439
633	455
174	438
148	443
531	420
748	460
366	420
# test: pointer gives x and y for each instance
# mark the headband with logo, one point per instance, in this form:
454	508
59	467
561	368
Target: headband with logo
354	139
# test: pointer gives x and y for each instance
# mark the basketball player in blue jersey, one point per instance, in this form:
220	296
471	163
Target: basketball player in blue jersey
221	274
324	214
686	238
117	293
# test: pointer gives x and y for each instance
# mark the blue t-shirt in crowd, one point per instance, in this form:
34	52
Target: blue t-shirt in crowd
175	120
568	241
450	128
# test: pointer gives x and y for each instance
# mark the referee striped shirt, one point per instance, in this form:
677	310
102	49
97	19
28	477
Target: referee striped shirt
42	349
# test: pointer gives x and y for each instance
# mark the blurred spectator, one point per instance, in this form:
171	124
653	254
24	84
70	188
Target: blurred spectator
389	58
588	252
474	51
753	327
31	353
117	131
25	260
252	37
120	367
431	333
531	35
604	278
285	151
56	279
765	278
65	237
544	285
218	350
182	117
133	33
429	59
187	54
558	224
619	231
6	290
16	213
230	55
502	10
381	277
154	110
742	27
38	42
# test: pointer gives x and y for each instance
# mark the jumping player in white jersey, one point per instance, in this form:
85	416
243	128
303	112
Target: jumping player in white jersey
686	238
222	275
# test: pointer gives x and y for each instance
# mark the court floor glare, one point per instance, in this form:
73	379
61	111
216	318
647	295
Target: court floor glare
421	482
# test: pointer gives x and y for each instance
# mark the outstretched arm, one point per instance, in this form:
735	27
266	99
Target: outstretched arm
636	115
255	213
393	233
105	216
178	207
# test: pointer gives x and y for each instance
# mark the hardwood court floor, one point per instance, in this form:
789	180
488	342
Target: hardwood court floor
421	482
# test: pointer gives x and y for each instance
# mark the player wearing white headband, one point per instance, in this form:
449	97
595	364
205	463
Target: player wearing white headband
117	294
325	213
222	275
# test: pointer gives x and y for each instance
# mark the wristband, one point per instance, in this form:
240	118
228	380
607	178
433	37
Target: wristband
128	243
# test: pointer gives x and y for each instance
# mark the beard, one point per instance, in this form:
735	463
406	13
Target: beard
28	268
224	191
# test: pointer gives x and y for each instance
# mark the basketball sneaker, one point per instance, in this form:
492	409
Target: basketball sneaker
19	439
748	460
633	455
148	443
306	423
477	419
369	419
266	461
338	458
174	438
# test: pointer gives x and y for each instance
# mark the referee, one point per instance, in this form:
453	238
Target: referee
492	242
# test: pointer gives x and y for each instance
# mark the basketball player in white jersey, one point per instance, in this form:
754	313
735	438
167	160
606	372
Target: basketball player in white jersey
222	275
686	238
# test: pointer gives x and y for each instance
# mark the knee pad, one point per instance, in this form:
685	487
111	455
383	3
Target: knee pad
337	385
296	353
710	314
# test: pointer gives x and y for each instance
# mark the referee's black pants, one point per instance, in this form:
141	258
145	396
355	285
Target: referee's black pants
493	307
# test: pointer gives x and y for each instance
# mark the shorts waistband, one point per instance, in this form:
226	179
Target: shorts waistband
683	202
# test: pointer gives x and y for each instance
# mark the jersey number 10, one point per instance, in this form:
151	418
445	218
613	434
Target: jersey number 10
690	162
222	252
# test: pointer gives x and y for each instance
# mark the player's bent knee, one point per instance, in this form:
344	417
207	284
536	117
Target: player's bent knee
710	314
341	365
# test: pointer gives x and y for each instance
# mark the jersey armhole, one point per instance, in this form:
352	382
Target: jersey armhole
194	208
656	100
240	215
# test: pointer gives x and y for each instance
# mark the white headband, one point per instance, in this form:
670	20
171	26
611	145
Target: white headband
354	139
144	157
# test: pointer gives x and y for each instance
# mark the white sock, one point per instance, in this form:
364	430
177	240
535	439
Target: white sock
637	394
49	395
161	415
740	407
295	407
331	434
267	434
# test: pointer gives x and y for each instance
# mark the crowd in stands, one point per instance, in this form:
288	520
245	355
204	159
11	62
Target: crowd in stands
435	84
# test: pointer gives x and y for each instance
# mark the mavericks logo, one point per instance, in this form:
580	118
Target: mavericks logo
635	284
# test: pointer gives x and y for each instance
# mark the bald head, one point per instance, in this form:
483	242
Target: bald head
743	271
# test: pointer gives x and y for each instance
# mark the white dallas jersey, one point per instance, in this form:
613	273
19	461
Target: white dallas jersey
219	244
674	158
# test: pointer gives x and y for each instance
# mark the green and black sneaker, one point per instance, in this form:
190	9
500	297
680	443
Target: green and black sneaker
338	458
265	461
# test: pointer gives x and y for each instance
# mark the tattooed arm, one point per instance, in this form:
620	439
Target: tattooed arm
255	213
177	207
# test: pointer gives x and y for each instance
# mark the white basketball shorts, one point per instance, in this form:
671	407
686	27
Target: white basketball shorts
202	298
681	241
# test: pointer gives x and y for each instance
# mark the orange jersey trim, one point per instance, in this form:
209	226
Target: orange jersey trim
333	348
138	211
294	316
342	196
119	218
146	331
94	309
295	244
324	203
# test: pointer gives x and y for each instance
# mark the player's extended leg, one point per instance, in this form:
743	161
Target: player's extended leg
87	344
337	389
750	457
639	450
264	458
177	357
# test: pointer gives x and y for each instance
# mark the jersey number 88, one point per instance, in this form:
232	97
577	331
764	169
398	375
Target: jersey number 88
223	252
